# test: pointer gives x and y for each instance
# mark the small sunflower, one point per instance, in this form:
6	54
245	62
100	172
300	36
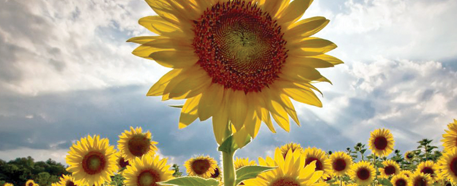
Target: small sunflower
429	168
407	173
290	171
8	184
450	137
409	155
30	183
217	174
135	143
147	171
341	163
381	142
67	180
92	161
201	166
242	70
448	165
390	168
399	180
242	162
293	146
363	173
121	162
420	179
323	163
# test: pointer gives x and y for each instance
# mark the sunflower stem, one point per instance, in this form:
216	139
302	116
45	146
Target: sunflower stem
228	163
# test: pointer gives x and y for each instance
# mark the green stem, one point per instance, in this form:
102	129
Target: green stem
229	169
376	170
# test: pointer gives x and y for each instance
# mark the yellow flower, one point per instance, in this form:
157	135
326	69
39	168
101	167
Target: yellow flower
381	142
429	168
290	171
399	180
147	170
448	165
293	146
323	163
8	184
242	162
450	138
390	168
135	143
30	183
341	163
238	61
92	161
420	179
66	180
121	162
362	173
407	173
409	155
201	166
217	173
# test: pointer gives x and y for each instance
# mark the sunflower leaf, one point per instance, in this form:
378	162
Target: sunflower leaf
227	146
249	172
190	181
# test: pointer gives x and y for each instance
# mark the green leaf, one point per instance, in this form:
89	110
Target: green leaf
191	181
176	106
249	172
227	146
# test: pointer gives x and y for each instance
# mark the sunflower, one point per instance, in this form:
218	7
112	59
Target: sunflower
238	61
121	162
323	163
420	179
242	162
448	165
429	168
390	168
217	173
30	183
381	142
92	161
135	143
450	137
147	170
201	166
362	172
8	184
407	173
290	171
67	180
293	146
399	180
341	163
409	156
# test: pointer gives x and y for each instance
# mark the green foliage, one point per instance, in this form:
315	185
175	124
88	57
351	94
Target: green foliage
191	181
117	180
249	172
20	170
177	173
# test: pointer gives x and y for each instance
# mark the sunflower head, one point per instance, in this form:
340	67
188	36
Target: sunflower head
92	161
341	163
217	173
450	137
202	166
420	179
242	162
381	142
147	171
409	155
448	165
121	162
399	180
390	168
363	173
238	61
8	184
67	180
323	163
136	143
290	146
290	171
30	183
429	168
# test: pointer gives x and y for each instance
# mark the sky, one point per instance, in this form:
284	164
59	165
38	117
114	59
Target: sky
66	71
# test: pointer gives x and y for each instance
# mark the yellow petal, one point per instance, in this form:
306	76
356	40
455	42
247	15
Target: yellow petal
240	137
303	95
272	6
300	73
143	39
312	46
175	59
158	25
278	112
158	88
294	11
220	124
305	28
238	108
252	123
189	112
195	83
265	114
211	100
145	51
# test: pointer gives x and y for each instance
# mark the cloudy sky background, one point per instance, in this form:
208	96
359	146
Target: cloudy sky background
66	72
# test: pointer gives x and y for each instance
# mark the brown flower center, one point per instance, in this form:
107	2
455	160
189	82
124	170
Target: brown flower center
380	143
148	178
70	183
389	170
285	182
419	181
400	182
139	145
453	166
428	170
123	163
339	165
93	162
30	184
363	174
239	46
318	163
216	173
200	166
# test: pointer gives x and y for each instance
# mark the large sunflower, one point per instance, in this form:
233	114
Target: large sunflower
323	163
390	168
341	163
381	142
92	161
201	166
429	168
242	162
450	137
135	143
420	179
236	60
399	180
448	165
290	171
363	173
147	170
